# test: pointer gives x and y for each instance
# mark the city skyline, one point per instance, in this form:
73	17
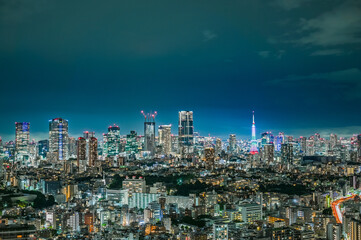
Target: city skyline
217	120
246	130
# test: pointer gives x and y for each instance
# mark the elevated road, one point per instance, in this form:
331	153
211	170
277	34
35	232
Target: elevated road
336	207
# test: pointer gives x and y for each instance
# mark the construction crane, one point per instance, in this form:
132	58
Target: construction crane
149	116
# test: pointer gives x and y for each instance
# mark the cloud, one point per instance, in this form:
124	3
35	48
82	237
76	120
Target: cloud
271	54
348	81
347	131
264	54
208	35
340	26
327	52
289	4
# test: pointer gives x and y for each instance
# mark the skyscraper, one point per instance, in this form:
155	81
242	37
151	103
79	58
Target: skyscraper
149	132
218	149
232	143
111	141
333	141
22	139
359	147
165	138
268	153
287	153
81	153
93	151
209	156
43	148
185	131
72	147
254	148
131	145
58	138
280	139
303	144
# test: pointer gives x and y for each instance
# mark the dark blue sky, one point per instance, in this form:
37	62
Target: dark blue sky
295	62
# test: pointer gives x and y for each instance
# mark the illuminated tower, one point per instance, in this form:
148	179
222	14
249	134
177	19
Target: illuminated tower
111	141
131	145
58	138
254	149
165	138
22	138
149	131
185	131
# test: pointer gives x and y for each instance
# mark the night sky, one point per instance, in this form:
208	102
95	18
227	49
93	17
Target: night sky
297	63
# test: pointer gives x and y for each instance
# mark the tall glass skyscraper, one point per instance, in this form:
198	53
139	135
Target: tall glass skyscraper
165	138
43	148
149	131
22	137
58	138
22	140
111	141
185	131
149	136
131	145
232	143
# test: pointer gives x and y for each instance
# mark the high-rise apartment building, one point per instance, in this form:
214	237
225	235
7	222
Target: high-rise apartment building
134	185
220	231
58	138
165	138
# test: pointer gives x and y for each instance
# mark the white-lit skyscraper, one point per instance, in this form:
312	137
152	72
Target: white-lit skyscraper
232	143
165	138
58	138
185	131
22	137
149	131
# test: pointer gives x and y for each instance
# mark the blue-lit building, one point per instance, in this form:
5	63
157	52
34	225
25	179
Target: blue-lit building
58	138
111	141
43	148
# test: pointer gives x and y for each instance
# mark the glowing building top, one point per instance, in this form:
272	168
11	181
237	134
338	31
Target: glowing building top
254	148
